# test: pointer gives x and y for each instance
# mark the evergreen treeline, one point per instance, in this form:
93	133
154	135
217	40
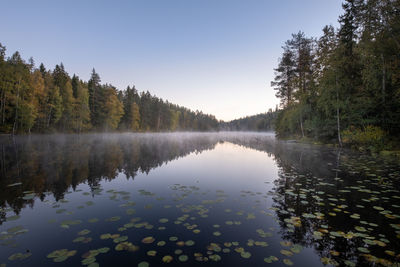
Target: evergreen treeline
40	100
260	122
345	85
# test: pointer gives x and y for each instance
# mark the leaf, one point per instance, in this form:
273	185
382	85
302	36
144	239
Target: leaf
151	253
161	243
245	254
167	259
148	240
84	232
287	262
183	258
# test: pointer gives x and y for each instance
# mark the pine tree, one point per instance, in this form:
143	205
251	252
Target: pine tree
95	94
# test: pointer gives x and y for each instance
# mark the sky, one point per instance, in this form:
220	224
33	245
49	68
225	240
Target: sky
216	56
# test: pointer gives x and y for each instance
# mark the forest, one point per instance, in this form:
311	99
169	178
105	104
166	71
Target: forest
344	87
260	122
45	101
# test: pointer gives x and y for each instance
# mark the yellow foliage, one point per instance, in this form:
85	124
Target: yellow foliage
371	137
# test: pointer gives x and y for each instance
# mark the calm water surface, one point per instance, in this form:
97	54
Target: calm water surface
223	199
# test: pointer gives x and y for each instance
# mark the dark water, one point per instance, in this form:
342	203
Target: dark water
228	199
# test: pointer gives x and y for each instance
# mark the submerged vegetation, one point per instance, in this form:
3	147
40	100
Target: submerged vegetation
344	87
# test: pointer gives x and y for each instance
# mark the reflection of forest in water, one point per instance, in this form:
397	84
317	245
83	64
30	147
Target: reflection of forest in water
344	204
56	163
321	186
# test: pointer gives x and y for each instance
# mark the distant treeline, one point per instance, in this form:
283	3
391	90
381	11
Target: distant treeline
40	100
260	122
345	85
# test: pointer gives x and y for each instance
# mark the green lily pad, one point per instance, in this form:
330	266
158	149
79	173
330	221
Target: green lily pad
151	253
84	232
173	238
286	252
19	256
103	250
120	239
296	248
143	264
78	239
178	251
12	218
167	259
245	254
105	236
364	250
88	261
270	259
287	262
183	258
215	257
360	228
189	243
161	243
148	240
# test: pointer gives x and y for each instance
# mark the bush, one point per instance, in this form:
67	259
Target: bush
371	137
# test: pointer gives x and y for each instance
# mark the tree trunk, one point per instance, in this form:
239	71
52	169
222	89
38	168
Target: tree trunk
338	113
16	109
301	125
48	120
383	90
1	106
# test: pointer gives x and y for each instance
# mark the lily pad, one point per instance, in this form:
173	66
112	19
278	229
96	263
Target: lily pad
286	252
103	250
84	232
167	259
143	264
189	243
245	254
161	243
362	249
151	253
287	262
14	184
183	258
173	238
271	259
148	240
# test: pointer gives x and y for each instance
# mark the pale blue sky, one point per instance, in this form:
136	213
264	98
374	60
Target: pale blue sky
212	55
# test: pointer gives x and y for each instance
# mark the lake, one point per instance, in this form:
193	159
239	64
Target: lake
188	199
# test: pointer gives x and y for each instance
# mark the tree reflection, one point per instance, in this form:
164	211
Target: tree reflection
315	193
321	188
54	164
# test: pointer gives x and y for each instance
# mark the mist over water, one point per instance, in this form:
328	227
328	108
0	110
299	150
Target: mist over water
223	199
